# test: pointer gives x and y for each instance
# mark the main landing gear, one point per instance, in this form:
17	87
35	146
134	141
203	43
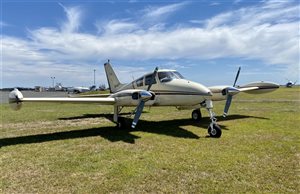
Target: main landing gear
120	121
196	115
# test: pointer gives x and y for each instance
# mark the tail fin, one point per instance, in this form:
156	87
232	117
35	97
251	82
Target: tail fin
113	81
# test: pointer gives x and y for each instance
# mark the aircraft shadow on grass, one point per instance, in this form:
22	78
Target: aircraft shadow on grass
169	127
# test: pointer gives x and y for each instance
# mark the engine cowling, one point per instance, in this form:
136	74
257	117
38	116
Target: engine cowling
221	92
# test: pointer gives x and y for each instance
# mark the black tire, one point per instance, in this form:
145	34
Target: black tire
196	115
216	133
121	123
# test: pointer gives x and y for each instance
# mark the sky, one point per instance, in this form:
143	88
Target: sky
206	41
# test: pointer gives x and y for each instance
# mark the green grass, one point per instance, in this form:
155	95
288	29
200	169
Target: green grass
71	148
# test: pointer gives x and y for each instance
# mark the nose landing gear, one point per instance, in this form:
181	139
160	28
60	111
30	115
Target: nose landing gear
214	129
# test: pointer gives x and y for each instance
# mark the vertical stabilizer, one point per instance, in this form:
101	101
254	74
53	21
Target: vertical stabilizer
112	79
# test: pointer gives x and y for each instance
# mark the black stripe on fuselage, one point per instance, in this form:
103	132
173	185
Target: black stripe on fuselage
166	93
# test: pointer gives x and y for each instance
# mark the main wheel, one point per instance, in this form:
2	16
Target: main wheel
196	115
121	123
216	132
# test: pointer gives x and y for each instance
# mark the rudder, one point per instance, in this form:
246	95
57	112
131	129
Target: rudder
112	79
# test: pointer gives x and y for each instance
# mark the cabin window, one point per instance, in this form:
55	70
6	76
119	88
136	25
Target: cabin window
139	82
148	80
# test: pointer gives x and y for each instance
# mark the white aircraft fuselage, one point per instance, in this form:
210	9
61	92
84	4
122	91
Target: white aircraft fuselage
174	91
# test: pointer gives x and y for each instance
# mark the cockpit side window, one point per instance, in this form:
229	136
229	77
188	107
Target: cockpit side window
178	75
139	82
148	80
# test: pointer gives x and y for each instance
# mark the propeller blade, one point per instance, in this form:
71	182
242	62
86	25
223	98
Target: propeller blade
138	113
237	76
227	105
144	96
230	92
153	78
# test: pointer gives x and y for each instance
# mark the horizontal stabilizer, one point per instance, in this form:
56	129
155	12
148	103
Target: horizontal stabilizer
258	87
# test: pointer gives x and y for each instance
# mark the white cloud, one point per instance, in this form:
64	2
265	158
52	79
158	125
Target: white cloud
116	26
74	16
215	4
264	32
154	13
3	24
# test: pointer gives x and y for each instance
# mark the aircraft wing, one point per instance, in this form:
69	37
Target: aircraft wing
16	98
104	101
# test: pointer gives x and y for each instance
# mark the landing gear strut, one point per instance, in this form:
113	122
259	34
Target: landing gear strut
120	121
214	129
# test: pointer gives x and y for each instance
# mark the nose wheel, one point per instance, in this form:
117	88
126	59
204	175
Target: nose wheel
214	130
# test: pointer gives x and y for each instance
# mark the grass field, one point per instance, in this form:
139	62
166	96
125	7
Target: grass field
71	148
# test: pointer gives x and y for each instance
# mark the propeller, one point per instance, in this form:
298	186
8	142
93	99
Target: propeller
144	97
230	91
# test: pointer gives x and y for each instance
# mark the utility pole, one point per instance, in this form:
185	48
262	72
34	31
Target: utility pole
94	77
53	78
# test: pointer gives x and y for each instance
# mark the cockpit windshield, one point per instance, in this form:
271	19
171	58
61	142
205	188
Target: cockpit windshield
166	76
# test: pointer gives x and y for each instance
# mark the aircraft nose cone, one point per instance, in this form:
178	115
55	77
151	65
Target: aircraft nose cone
202	90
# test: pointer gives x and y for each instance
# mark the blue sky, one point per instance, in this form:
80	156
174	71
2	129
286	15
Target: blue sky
204	40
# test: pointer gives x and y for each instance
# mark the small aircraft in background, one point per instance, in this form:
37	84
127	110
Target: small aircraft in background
290	83
162	87
80	89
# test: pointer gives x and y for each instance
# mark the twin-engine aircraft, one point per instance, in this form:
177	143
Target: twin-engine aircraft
81	89
163	87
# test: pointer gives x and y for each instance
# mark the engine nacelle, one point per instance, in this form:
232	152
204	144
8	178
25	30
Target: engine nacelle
221	92
15	99
132	97
262	87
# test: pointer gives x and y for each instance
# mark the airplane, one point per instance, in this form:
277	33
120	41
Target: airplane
290	84
162	87
80	89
